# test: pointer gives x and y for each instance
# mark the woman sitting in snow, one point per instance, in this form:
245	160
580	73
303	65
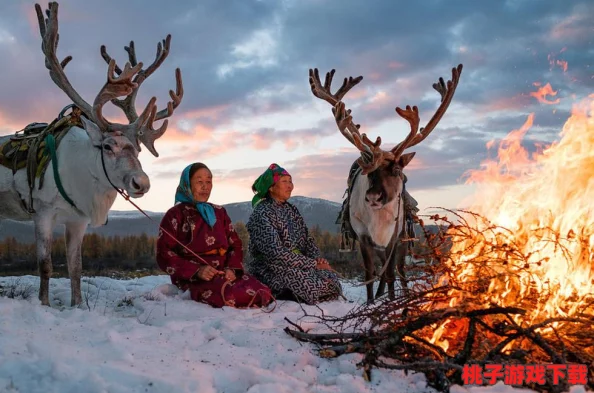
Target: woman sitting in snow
199	248
285	257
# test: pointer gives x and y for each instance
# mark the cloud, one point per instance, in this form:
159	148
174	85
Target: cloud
257	140
436	165
260	49
245	68
575	27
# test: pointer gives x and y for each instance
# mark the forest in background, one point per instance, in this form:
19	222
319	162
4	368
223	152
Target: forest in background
134	256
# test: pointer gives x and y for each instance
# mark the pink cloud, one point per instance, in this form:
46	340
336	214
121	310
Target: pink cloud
375	76
261	139
321	176
200	133
211	113
378	101
396	65
10	124
357	93
324	175
36	110
576	27
29	11
381	106
507	103
291	145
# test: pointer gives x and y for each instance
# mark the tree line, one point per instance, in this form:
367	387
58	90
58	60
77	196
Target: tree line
135	255
100	254
126	256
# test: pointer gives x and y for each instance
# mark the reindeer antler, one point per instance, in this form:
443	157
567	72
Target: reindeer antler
142	127
116	86
370	152
411	115
146	134
127	104
120	83
48	29
372	156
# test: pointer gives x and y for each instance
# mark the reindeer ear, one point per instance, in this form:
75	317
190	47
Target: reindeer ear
93	131
405	159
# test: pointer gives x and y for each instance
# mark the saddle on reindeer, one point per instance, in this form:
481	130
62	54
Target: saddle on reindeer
99	160
35	146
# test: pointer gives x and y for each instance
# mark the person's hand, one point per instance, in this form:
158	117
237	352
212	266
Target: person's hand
229	275
207	273
322	264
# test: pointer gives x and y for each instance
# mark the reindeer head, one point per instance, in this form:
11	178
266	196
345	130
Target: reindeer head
119	159
119	142
382	168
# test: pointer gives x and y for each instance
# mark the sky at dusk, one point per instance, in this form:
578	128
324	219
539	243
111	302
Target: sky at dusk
247	98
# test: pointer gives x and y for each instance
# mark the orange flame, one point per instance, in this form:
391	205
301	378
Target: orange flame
550	192
543	92
554	62
562	64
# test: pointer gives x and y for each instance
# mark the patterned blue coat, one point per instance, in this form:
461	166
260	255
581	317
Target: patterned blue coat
284	254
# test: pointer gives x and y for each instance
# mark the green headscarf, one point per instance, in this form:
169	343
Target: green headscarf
265	181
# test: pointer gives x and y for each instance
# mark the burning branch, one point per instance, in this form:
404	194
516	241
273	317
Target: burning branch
457	313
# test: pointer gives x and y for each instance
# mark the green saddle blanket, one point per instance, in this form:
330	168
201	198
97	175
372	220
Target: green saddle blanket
14	152
26	148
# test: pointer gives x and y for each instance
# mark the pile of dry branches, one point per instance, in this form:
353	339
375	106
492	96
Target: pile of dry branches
479	327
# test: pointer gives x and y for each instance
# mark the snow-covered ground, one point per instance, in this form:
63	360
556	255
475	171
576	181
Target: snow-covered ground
143	335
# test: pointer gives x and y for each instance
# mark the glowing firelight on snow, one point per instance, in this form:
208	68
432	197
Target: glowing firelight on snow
546	201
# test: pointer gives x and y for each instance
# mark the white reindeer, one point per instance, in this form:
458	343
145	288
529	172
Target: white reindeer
94	163
376	203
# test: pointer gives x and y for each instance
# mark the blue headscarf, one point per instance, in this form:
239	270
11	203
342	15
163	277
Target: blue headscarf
183	194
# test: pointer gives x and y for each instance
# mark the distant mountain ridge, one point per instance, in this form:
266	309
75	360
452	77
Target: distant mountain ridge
315	211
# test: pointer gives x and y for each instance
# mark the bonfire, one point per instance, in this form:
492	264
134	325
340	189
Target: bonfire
507	291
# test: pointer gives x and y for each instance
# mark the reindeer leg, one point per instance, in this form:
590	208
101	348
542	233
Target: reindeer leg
390	276
381	287
74	233
367	253
44	225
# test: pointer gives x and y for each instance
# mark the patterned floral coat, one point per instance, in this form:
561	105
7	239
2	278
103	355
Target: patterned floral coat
219	246
284	254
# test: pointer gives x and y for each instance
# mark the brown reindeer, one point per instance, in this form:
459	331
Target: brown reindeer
376	198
